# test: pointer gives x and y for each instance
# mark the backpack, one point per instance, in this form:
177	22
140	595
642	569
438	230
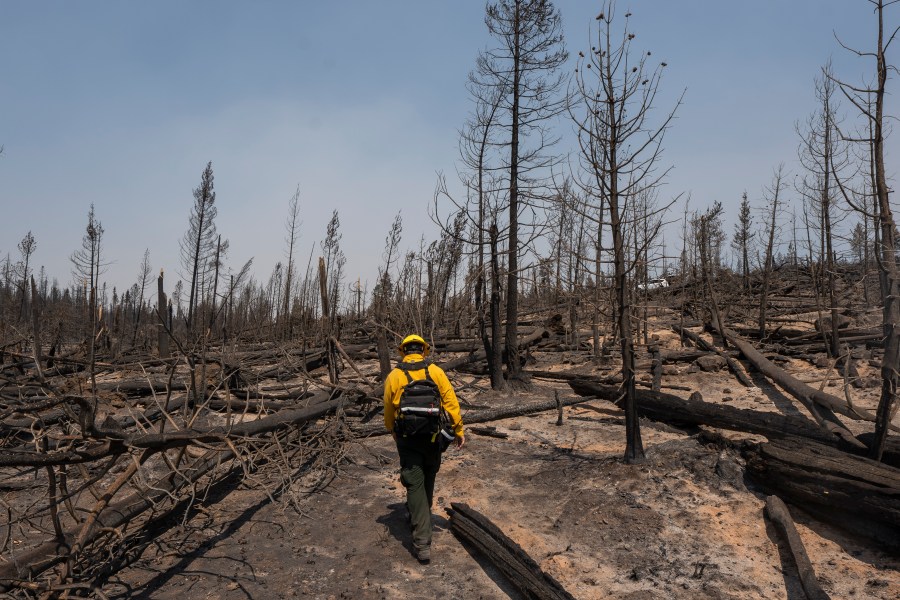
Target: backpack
421	413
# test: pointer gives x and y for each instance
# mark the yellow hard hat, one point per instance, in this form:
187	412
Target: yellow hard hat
415	339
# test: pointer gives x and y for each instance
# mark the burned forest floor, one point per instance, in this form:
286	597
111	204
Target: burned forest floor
686	523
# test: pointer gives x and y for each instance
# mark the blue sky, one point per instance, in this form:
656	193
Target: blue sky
121	104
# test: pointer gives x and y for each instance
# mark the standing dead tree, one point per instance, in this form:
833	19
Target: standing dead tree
524	70
620	151
144	277
334	263
292	226
742	239
481	209
163	314
442	261
86	267
869	99
475	144
566	269
820	156
199	242
774	203
708	228
26	248
382	293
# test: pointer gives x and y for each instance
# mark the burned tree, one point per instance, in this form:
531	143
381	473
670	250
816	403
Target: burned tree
198	245
292	226
869	99
144	277
334	262
821	157
524	69
860	246
26	248
773	196
382	293
476	142
620	153
86	267
743	238
708	233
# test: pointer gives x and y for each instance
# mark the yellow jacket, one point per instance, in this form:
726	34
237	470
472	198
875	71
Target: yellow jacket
393	387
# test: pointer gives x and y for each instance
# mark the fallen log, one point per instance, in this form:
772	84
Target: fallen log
779	514
519	568
276	395
488	432
142	386
24	427
557	345
693	412
524	342
113	439
821	405
792	337
671	409
27	457
610	380
469	345
852	492
736	369
858	334
672	356
309	362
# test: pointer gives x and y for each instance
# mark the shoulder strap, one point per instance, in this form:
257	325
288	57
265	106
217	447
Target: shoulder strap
415	366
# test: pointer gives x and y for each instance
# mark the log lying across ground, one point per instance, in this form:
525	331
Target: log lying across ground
520	569
779	514
609	380
806	394
736	369
860	334
528	340
673	410
855	493
821	405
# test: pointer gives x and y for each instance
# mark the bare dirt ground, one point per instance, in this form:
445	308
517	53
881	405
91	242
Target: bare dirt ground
683	525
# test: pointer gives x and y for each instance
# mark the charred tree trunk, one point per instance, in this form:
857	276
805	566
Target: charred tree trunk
634	447
821	406
519	568
595	322
494	350
767	266
330	350
779	514
513	369
854	493
692	412
890	374
162	311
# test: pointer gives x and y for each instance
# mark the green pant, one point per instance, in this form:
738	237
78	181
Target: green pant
420	461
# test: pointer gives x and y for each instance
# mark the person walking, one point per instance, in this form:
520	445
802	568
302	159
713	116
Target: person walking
415	393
